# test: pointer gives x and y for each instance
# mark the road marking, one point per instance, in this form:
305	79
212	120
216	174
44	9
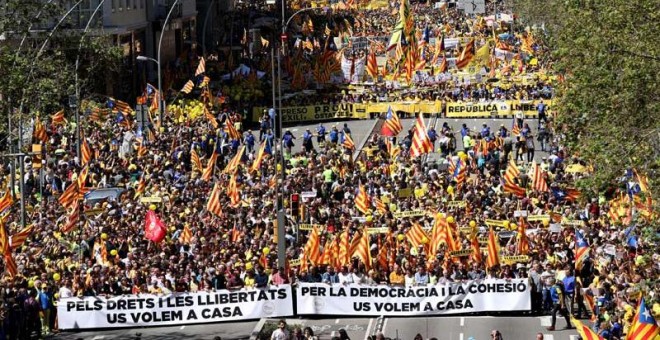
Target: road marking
460	336
182	327
98	337
336	321
548	337
546	321
384	325
462	321
294	130
574	337
368	333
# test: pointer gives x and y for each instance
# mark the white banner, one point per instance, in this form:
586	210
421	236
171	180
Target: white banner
174	309
362	300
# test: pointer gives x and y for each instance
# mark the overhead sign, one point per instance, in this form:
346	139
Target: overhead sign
473	6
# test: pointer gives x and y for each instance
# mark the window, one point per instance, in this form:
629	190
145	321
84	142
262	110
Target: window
114	5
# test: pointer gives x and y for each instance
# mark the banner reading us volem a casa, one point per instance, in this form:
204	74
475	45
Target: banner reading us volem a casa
174	309
454	298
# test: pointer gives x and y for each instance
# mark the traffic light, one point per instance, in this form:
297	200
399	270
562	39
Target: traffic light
295	204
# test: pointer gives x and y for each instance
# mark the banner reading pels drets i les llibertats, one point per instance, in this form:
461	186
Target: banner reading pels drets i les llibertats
453	298
179	308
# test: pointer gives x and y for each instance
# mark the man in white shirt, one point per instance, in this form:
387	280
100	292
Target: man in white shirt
281	333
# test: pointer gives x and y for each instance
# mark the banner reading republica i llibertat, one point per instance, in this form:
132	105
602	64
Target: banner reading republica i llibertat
174	309
454	298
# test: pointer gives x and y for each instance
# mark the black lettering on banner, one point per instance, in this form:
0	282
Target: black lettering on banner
224	312
361	306
157	316
116	318
191	315
459	304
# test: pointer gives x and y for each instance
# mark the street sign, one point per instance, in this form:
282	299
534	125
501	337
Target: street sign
473	6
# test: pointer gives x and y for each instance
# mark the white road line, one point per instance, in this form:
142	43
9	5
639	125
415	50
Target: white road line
368	333
294	130
98	337
548	337
573	337
462	321
460	336
336	321
546	321
384	326
182	327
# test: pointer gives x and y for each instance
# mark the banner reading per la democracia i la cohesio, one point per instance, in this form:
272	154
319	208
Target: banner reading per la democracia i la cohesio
453	298
277	301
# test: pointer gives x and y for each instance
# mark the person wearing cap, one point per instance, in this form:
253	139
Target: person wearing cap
320	135
307	141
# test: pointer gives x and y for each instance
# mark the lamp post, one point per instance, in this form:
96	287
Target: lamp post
22	103
77	111
281	216
160	77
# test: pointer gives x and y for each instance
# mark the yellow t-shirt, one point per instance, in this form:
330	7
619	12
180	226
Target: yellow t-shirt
396	278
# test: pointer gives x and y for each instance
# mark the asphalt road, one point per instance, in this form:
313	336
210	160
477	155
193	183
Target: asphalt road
360	130
442	328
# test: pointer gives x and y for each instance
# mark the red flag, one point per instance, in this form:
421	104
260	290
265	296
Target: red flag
154	228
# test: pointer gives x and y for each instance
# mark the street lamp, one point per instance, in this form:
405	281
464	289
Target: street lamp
160	78
281	216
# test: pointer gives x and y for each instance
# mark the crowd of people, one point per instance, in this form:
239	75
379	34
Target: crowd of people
105	253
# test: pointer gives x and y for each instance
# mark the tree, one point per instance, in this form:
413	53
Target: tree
609	105
39	80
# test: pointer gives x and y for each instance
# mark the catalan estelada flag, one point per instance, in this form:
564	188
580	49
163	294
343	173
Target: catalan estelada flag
644	326
585	332
392	125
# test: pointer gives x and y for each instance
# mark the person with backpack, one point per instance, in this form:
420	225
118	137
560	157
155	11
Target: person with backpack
558	297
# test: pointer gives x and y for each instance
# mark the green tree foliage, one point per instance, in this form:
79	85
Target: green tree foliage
40	80
609	104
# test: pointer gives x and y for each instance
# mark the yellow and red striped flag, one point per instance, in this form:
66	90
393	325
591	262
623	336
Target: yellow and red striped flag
586	333
522	247
493	258
232	192
312	247
231	130
348	142
259	158
372	65
344	248
362	249
476	249
383	257
19	238
201	67
10	264
71	220
362	201
417	236
232	166
211	118
195	160
186	235
142	148
141	186
188	87
39	131
213	204
466	55
538	181
6	201
208	171
85	152
421	143
58	118
70	196
380	206
644	326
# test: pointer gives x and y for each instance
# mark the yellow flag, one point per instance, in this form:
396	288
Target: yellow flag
482	56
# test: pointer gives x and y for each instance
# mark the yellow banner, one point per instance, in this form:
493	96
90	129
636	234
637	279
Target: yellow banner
459	204
515	259
294	263
485	109
533	218
382	230
528	107
461	253
575	223
494	223
309	226
411	213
